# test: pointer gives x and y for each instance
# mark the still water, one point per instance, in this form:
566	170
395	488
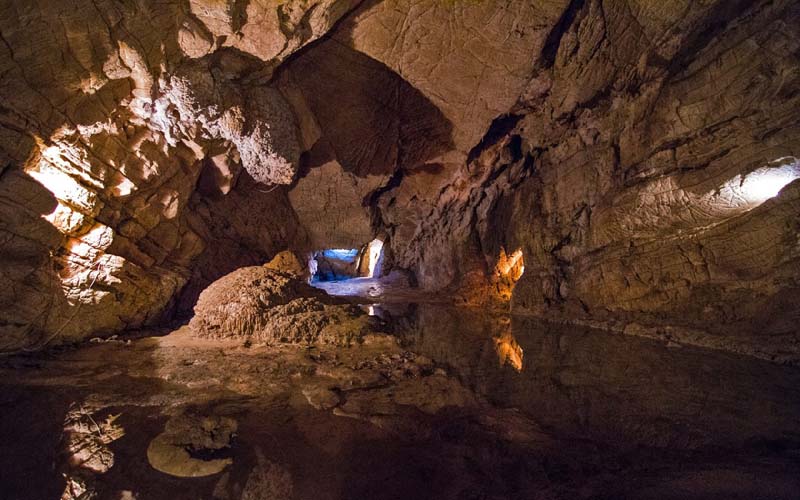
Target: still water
453	403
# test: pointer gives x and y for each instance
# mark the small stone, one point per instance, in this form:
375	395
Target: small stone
321	398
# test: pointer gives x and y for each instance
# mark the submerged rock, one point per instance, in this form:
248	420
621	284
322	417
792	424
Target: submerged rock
321	398
184	448
267	306
267	481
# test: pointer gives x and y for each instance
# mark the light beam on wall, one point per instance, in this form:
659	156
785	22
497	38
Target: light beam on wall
764	183
508	270
67	192
512	265
375	254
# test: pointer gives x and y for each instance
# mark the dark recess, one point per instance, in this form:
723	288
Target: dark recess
499	128
553	40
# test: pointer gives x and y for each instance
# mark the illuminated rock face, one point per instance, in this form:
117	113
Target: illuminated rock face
135	118
261	305
639	158
633	173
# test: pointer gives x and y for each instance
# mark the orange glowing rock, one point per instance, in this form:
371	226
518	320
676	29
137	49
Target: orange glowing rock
508	351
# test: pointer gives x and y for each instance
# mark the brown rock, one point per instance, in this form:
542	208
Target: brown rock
623	149
263	305
287	262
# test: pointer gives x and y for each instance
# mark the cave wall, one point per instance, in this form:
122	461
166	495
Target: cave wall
643	174
144	128
622	172
148	148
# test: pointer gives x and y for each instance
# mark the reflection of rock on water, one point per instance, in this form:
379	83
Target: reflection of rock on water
508	349
267	481
432	411
85	443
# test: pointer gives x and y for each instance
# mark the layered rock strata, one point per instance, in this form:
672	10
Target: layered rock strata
641	158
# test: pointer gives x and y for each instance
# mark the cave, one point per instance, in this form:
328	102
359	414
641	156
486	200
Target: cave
337	264
393	249
334	264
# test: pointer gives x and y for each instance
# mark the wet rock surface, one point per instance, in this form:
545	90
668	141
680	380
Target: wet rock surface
189	444
434	410
85	444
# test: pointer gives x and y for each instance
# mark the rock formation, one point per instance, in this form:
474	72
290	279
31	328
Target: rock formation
184	448
640	157
261	305
85	444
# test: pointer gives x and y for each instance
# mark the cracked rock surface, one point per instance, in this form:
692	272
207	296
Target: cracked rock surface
621	148
262	305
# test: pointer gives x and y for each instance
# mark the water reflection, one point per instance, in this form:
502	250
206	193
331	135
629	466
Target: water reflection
508	350
353	287
617	389
583	414
391	289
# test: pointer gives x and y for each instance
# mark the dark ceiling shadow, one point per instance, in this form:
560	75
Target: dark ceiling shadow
374	121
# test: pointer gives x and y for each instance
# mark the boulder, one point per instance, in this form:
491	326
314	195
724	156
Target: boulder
262	305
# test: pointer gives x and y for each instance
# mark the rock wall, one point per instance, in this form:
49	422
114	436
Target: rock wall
635	171
140	130
652	178
615	151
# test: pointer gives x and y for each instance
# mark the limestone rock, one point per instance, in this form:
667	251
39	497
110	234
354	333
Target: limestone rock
471	59
172	451
626	174
328	203
259	304
116	110
287	262
149	148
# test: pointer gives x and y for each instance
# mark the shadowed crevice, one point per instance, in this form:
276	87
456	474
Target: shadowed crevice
499	128
375	121
553	41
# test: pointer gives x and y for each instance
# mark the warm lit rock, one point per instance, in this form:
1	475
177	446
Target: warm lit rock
179	450
287	262
261	305
328	203
643	158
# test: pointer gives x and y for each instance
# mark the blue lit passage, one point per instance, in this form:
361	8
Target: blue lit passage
337	264
334	264
345	254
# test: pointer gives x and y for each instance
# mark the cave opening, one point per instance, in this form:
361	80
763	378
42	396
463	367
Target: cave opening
340	264
334	264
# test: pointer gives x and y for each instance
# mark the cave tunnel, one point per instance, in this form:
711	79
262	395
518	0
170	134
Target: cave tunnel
385	249
337	264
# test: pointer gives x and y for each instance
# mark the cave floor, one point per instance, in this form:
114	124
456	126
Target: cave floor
449	403
392	290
